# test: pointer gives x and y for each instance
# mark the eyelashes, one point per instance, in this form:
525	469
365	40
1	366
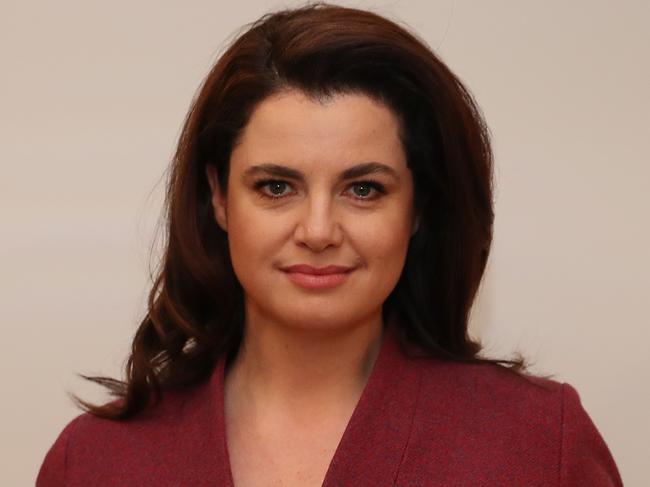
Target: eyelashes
371	191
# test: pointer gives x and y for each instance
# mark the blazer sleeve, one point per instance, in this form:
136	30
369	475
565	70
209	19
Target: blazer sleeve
585	458
53	469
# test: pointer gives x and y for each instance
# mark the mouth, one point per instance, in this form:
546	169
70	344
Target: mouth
318	278
317	271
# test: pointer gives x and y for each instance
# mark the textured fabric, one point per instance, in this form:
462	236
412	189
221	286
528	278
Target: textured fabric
420	422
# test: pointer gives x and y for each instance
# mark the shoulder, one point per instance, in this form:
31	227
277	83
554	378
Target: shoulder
486	400
96	451
53	469
89	446
506	425
490	387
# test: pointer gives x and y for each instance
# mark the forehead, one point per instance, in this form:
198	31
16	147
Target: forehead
291	128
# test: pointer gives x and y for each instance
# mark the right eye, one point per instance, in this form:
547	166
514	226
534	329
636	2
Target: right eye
272	188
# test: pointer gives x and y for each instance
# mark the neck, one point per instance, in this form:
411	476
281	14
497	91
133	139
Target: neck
302	372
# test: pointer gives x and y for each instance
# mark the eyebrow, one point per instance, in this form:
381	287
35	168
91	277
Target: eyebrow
350	173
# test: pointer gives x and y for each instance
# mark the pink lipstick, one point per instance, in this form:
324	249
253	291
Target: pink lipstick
317	278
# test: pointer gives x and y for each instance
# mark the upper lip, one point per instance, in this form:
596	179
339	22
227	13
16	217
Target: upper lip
307	269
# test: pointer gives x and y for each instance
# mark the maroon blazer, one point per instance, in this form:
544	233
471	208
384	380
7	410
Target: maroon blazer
419	423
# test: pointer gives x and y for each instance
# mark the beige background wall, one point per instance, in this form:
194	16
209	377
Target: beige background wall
92	96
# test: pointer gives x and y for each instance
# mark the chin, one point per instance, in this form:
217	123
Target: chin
322	318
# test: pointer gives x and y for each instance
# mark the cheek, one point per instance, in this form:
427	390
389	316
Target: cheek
255	242
382	246
383	238
247	233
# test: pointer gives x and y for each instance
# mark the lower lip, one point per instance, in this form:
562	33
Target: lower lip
314	281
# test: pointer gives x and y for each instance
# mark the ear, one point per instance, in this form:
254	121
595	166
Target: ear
416	224
218	199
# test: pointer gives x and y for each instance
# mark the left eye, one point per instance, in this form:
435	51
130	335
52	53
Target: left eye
276	188
366	188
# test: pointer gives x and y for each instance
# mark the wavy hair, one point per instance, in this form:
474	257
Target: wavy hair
195	308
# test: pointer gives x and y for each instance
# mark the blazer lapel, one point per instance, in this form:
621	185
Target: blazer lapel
374	442
222	473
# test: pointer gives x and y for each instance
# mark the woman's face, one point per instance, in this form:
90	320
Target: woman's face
318	185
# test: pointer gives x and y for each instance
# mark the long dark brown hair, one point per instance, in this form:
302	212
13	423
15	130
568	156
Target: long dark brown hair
195	308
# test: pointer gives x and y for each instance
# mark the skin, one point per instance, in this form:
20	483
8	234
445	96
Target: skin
307	354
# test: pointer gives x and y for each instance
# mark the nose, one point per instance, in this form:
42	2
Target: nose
318	226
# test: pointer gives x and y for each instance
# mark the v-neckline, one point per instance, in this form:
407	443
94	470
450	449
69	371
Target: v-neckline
377	433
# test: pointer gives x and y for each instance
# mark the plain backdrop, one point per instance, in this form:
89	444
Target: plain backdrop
92	97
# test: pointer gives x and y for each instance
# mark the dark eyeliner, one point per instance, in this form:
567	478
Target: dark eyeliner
258	185
373	184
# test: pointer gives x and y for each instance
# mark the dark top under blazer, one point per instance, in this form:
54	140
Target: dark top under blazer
419	423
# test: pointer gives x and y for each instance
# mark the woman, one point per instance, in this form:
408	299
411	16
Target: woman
330	217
